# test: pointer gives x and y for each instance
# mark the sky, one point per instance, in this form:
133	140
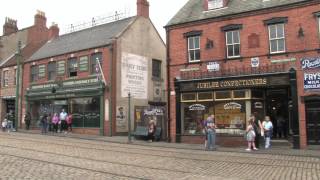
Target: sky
67	12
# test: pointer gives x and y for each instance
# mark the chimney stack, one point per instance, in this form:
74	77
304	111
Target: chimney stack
40	19
10	26
53	31
143	8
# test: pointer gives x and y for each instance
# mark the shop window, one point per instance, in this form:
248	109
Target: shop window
5	78
156	68
205	96
185	97
238	94
93	62
85	111
233	43
34	73
194	48
257	94
52	67
83	63
276	38
222	95
230	115
42	71
61	68
72	67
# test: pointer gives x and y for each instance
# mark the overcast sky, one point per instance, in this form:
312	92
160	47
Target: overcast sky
66	12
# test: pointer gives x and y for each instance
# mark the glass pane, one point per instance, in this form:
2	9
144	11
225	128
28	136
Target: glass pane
237	50
280	45
191	55
197	42
236	37
223	94
230	51
205	95
273	45
272	31
239	94
256	93
188	96
229	37
197	55
280	28
230	115
83	63
191	44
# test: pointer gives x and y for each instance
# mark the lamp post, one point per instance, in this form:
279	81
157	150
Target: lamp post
129	118
18	59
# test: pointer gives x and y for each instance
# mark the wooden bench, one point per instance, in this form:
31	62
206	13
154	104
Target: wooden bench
142	131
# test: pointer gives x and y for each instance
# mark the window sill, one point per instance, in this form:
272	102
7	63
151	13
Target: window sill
277	54
234	58
194	61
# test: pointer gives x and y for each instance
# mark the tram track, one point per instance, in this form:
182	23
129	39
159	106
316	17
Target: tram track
248	162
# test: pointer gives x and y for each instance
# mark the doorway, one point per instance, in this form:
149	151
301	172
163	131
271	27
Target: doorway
313	122
277	109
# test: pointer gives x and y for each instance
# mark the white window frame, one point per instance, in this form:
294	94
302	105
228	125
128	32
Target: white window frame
277	38
5	78
194	49
233	44
318	18
215	4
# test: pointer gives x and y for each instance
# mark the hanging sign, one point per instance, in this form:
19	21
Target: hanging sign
255	62
213	66
310	63
312	80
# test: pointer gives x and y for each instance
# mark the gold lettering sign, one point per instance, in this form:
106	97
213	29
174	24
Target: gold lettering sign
232	83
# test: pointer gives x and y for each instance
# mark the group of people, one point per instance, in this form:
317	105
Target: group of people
7	122
255	130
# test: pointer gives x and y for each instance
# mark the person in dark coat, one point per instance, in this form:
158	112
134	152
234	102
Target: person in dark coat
27	120
257	126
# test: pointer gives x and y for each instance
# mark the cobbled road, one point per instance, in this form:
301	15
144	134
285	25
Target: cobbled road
30	156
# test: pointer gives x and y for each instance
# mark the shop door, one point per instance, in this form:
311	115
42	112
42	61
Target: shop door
313	123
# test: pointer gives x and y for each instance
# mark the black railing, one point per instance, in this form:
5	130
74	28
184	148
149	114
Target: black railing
234	71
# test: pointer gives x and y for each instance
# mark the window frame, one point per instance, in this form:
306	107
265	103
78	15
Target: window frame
92	69
75	66
215	4
49	70
83	62
34	75
5	79
277	39
156	68
194	49
233	44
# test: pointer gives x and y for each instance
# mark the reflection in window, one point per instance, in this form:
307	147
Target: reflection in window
85	111
223	94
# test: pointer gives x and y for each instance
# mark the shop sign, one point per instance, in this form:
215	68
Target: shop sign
233	83
283	60
190	69
310	63
79	82
232	105
213	66
153	112
60	96
255	62
197	107
312	80
43	86
60	102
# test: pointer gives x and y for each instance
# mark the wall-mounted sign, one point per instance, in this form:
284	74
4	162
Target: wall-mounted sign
258	105
233	83
190	69
213	66
197	107
121	119
312	80
153	112
283	60
79	82
310	63
232	105
255	62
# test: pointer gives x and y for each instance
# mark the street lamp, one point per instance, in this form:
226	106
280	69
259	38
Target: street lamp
129	118
18	59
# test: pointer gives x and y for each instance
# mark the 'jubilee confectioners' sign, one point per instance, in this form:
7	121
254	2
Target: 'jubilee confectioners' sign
232	83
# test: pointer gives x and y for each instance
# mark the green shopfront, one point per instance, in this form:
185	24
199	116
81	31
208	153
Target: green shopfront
83	98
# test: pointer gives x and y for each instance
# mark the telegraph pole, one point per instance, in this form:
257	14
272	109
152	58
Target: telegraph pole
16	113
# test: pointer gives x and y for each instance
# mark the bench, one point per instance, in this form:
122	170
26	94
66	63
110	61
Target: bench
142	131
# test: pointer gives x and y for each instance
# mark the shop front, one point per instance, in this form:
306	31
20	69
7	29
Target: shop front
232	101
82	98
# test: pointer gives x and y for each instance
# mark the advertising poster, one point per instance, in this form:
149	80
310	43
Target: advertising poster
134	76
312	80
121	120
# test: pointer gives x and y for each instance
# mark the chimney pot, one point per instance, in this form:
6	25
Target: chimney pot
40	19
53	31
143	8
10	26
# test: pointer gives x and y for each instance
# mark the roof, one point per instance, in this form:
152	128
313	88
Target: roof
193	9
85	39
26	53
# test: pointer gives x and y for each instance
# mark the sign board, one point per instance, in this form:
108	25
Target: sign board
213	66
121	120
232	105
232	83
283	60
312	80
255	62
197	107
310	63
134	76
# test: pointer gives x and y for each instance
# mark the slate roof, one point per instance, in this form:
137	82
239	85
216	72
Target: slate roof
85	39
193	9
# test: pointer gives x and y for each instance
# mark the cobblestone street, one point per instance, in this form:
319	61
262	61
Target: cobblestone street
32	156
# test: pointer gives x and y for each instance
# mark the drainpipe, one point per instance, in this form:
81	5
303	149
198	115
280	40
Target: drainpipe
168	81
111	48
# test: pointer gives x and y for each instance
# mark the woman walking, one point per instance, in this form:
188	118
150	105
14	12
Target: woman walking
55	122
268	128
251	136
69	123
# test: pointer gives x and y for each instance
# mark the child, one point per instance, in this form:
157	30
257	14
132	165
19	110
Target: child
4	124
251	136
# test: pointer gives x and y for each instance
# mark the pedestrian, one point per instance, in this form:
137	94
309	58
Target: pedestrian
4	124
251	135
63	121
69	123
211	133
280	126
27	120
205	133
44	124
151	130
49	123
268	128
258	130
55	122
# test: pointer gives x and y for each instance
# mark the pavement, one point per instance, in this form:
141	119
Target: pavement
34	156
280	147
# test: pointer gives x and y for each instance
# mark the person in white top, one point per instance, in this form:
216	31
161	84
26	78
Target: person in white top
267	127
63	119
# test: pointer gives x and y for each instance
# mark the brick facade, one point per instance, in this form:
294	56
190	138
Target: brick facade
254	40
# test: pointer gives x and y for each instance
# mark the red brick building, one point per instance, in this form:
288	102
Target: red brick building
90	72
31	39
234	58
